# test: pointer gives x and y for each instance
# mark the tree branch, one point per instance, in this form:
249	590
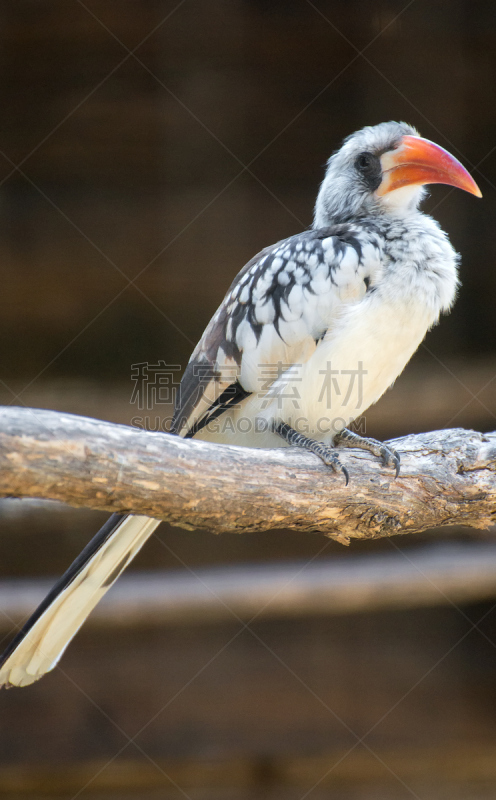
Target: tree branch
447	478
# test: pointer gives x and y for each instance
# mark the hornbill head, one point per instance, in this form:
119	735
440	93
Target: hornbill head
383	169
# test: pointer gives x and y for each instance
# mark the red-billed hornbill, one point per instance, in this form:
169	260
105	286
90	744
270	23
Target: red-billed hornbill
312	331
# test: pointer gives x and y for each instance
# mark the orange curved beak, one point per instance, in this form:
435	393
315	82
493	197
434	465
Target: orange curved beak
419	161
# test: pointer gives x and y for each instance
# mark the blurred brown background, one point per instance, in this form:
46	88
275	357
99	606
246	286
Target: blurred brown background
148	149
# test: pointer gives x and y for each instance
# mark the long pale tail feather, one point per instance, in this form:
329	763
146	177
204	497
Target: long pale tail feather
39	645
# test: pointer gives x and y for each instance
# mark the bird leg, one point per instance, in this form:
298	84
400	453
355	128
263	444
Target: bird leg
324	451
388	456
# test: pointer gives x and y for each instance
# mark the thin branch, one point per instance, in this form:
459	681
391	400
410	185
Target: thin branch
446	573
447	478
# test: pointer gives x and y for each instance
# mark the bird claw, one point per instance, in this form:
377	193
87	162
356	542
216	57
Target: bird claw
346	475
330	459
390	458
325	452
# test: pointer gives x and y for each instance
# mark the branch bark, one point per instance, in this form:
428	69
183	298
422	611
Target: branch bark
447	477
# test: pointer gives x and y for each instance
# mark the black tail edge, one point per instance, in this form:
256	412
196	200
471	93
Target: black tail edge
69	575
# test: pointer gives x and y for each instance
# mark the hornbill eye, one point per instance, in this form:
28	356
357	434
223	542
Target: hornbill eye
369	167
364	161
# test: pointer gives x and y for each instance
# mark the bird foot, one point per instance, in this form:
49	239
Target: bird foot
388	456
324	451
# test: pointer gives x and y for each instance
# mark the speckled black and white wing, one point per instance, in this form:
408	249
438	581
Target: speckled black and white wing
275	313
